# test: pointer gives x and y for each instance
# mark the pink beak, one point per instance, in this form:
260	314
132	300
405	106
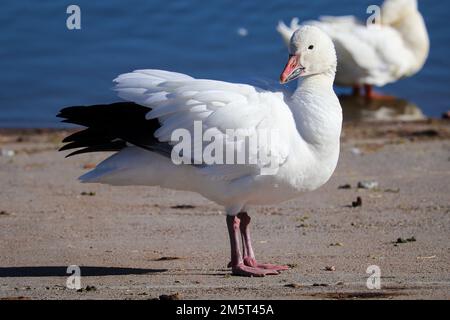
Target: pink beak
291	66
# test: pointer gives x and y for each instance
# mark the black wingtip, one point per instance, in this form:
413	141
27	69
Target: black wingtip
76	152
108	127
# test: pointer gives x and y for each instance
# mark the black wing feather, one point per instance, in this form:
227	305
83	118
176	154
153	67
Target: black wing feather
109	127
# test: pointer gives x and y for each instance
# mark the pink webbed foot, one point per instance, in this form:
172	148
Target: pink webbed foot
251	262
246	271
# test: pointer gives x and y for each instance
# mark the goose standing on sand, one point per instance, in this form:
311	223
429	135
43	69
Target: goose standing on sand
303	153
376	54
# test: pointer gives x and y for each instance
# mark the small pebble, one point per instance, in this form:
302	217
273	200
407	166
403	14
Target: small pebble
183	206
293	285
320	285
88	288
337	244
167	258
330	268
357	203
84	193
370	185
356	151
345	186
175	296
89	166
7	153
401	240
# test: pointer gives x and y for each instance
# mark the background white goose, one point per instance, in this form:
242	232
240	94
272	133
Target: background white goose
305	153
378	54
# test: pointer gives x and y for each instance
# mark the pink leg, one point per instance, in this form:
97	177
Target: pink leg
372	95
249	255
237	265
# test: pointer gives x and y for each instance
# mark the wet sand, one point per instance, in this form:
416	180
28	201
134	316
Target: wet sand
143	242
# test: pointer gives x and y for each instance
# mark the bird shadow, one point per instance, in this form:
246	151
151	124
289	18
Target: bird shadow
61	271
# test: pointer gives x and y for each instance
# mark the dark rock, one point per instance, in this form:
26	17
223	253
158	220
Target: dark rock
175	296
402	240
293	285
183	206
84	193
357	203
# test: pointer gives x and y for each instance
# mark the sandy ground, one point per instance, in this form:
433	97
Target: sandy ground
138	243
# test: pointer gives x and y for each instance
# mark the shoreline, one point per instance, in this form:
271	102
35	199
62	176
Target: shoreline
427	129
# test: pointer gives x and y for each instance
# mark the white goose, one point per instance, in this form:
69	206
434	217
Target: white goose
377	54
305	150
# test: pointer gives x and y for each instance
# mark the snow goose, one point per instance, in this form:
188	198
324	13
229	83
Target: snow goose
376	54
303	153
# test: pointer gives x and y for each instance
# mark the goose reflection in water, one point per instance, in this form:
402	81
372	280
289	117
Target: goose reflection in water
358	108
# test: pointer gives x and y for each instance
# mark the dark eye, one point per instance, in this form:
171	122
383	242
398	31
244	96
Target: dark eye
311	47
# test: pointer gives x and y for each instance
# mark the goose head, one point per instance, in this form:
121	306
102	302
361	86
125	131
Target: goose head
311	51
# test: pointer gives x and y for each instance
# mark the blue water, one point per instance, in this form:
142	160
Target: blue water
44	66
